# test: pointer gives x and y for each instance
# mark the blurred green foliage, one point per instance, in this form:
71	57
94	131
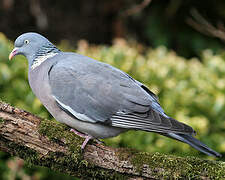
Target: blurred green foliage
191	91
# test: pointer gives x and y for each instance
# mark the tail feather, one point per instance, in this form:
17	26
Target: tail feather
194	143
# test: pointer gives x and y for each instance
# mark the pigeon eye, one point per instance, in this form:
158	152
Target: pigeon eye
26	41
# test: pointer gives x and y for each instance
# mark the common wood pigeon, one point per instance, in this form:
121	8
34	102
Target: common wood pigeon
94	98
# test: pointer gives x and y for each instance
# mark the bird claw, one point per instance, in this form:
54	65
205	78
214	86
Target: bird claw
99	141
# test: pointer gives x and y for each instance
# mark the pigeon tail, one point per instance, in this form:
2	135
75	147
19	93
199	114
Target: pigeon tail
194	143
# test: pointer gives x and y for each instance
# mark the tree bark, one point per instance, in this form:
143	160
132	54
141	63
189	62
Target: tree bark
49	143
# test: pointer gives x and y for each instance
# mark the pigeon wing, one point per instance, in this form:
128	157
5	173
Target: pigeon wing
99	93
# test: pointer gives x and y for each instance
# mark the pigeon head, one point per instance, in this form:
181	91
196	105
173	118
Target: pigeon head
32	46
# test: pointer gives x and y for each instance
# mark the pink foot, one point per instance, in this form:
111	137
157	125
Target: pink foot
87	137
86	141
78	133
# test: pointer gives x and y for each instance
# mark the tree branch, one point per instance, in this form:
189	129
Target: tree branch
199	23
136	9
48	143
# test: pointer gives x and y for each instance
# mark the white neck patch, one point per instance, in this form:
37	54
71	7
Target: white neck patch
41	59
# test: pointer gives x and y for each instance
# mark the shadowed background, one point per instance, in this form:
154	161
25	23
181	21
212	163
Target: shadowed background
167	45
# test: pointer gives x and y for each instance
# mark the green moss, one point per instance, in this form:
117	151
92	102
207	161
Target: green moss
29	155
165	165
1	120
73	162
58	161
125	153
64	163
60	133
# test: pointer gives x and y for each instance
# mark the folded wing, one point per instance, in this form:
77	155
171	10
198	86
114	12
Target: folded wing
99	93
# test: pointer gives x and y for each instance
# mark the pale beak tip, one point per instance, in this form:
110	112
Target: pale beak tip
10	56
13	53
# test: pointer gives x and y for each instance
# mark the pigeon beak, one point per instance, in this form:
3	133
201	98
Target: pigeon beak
13	53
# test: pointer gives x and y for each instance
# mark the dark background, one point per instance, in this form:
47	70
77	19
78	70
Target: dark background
162	22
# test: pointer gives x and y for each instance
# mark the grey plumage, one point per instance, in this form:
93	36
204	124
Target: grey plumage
93	97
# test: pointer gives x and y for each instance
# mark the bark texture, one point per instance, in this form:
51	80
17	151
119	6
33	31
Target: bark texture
48	143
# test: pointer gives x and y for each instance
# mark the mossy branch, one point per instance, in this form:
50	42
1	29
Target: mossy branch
51	144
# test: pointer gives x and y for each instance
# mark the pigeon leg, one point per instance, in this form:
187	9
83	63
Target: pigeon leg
86	141
78	133
87	137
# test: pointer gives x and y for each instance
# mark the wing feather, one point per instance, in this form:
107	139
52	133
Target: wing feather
99	93
153	122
